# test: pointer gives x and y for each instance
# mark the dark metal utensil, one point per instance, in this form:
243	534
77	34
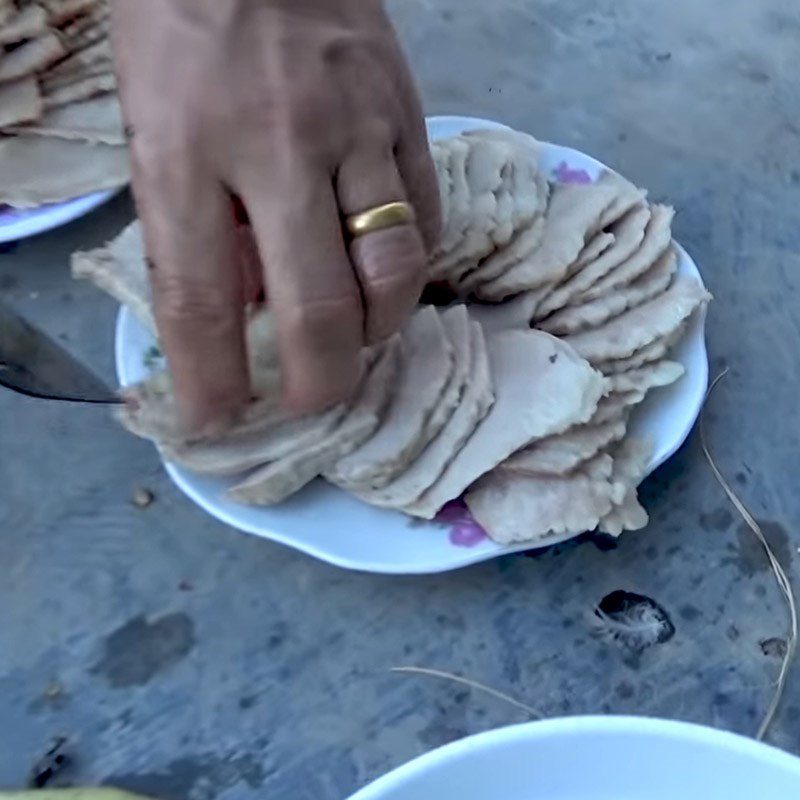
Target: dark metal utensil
32	364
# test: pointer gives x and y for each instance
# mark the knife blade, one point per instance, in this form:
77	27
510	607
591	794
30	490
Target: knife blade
31	363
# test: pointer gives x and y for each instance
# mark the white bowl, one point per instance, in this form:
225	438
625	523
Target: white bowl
329	524
16	224
595	758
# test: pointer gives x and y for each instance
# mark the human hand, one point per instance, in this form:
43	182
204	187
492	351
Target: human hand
306	111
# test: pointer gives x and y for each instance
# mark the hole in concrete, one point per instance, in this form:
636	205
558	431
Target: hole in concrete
633	620
774	647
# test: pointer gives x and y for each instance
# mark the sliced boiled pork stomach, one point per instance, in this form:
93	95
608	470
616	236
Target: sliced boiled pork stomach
542	387
282	478
475	403
428	362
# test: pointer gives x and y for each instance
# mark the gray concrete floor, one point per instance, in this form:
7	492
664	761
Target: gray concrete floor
183	659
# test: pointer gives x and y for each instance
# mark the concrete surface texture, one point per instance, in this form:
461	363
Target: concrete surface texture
182	659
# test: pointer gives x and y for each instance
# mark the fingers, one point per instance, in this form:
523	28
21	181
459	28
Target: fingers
197	289
415	162
312	288
419	176
390	263
250	265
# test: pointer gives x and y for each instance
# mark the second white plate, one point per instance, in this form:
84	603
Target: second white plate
16	224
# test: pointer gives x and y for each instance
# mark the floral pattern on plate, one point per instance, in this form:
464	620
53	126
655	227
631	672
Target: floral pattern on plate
464	531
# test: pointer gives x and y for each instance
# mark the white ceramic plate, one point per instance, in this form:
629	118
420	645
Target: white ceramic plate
595	758
16	224
327	523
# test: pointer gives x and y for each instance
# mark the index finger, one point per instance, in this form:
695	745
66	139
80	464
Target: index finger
198	291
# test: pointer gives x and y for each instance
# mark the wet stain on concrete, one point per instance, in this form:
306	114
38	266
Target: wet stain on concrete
204	775
142	648
751	558
8	282
690	613
437	734
720	519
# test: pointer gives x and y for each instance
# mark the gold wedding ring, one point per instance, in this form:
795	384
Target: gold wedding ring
376	219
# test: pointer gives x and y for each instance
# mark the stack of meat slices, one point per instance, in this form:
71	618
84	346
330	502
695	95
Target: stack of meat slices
61	132
520	405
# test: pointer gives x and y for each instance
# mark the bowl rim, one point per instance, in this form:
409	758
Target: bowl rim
568	727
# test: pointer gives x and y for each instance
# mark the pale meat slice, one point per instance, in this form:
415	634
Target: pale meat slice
152	411
560	455
93	33
631	461
458	205
20	101
441	163
529	188
100	51
650	376
628	233
456	325
616	406
35	170
484	167
657	239
31	57
541	388
427	366
27	23
97	121
62	11
503	231
594	248
84	89
509	315
655	319
514	508
595	312
281	479
87	28
244	451
646	355
628	198
502	202
521	246
269	439
272	438
426	470
8	11
119	269
475	244
505	215
572	218
84	77
524	190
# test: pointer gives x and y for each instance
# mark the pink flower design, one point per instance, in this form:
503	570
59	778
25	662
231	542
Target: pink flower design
564	174
464	531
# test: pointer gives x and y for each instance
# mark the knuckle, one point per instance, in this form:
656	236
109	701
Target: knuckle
393	290
377	134
160	162
324	323
190	305
395	254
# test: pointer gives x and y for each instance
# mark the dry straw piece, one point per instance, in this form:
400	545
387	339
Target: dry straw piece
782	579
480	687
